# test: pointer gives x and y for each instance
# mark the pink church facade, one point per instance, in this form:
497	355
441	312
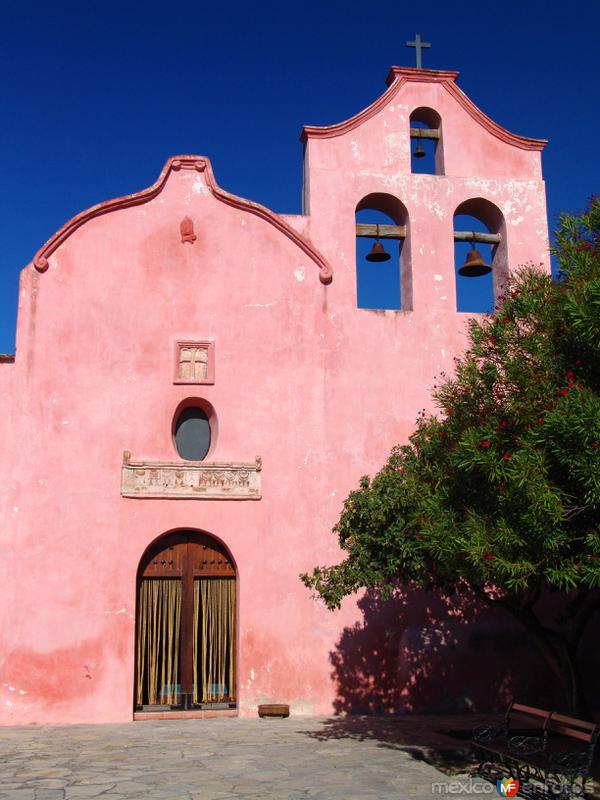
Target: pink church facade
184	296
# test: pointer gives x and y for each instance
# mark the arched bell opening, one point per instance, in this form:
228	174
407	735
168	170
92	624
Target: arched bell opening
480	255
383	270
427	152
185	633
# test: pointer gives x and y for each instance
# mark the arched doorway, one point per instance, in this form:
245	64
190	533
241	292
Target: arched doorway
185	624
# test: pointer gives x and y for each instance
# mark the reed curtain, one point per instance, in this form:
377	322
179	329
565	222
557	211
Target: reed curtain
214	615
159	619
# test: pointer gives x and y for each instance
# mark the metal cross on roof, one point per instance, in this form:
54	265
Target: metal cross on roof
418	45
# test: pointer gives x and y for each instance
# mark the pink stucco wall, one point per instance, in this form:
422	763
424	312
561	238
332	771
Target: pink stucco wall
316	387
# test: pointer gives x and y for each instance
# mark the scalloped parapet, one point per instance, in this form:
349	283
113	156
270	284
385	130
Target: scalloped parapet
174	164
397	77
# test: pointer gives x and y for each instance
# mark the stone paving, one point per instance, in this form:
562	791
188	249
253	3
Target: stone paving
232	759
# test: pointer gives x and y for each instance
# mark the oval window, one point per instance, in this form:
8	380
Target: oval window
192	434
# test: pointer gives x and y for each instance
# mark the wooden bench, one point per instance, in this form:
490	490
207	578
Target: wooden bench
550	754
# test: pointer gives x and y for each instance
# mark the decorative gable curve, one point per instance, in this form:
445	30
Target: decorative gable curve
396	78
177	163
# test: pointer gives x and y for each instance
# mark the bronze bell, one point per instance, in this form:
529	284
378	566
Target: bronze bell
378	251
474	265
419	151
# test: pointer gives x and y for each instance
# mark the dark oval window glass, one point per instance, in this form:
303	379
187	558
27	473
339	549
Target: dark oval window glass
192	434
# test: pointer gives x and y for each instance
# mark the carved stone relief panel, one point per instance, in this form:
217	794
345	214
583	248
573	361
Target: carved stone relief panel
194	362
226	481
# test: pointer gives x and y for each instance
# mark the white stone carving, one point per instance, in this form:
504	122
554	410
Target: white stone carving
193	363
202	481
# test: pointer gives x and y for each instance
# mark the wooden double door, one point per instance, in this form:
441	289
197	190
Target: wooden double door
185	624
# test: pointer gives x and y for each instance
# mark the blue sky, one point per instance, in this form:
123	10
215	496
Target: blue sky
95	97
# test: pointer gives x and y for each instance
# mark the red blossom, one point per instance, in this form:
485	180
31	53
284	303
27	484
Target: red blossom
506	456
485	443
504	423
541	420
502	488
595	445
564	391
489	557
592	558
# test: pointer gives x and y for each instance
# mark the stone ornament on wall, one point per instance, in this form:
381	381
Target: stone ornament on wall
226	481
194	362
186	228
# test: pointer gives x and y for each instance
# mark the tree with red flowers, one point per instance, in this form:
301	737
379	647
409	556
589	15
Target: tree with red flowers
499	493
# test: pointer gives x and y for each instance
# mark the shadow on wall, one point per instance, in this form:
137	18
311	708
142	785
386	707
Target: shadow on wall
422	652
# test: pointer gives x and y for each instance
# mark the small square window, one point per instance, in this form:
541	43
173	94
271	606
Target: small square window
194	362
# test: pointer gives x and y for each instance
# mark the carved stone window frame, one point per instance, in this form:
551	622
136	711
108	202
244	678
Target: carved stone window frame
207	344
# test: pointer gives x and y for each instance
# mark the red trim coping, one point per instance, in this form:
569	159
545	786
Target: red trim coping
396	78
177	163
7	358
141	716
416	74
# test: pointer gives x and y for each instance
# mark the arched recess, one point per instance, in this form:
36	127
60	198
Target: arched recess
185	633
480	224
427	149
388	284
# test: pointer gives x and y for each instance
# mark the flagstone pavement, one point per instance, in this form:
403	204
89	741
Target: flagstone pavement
237	759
